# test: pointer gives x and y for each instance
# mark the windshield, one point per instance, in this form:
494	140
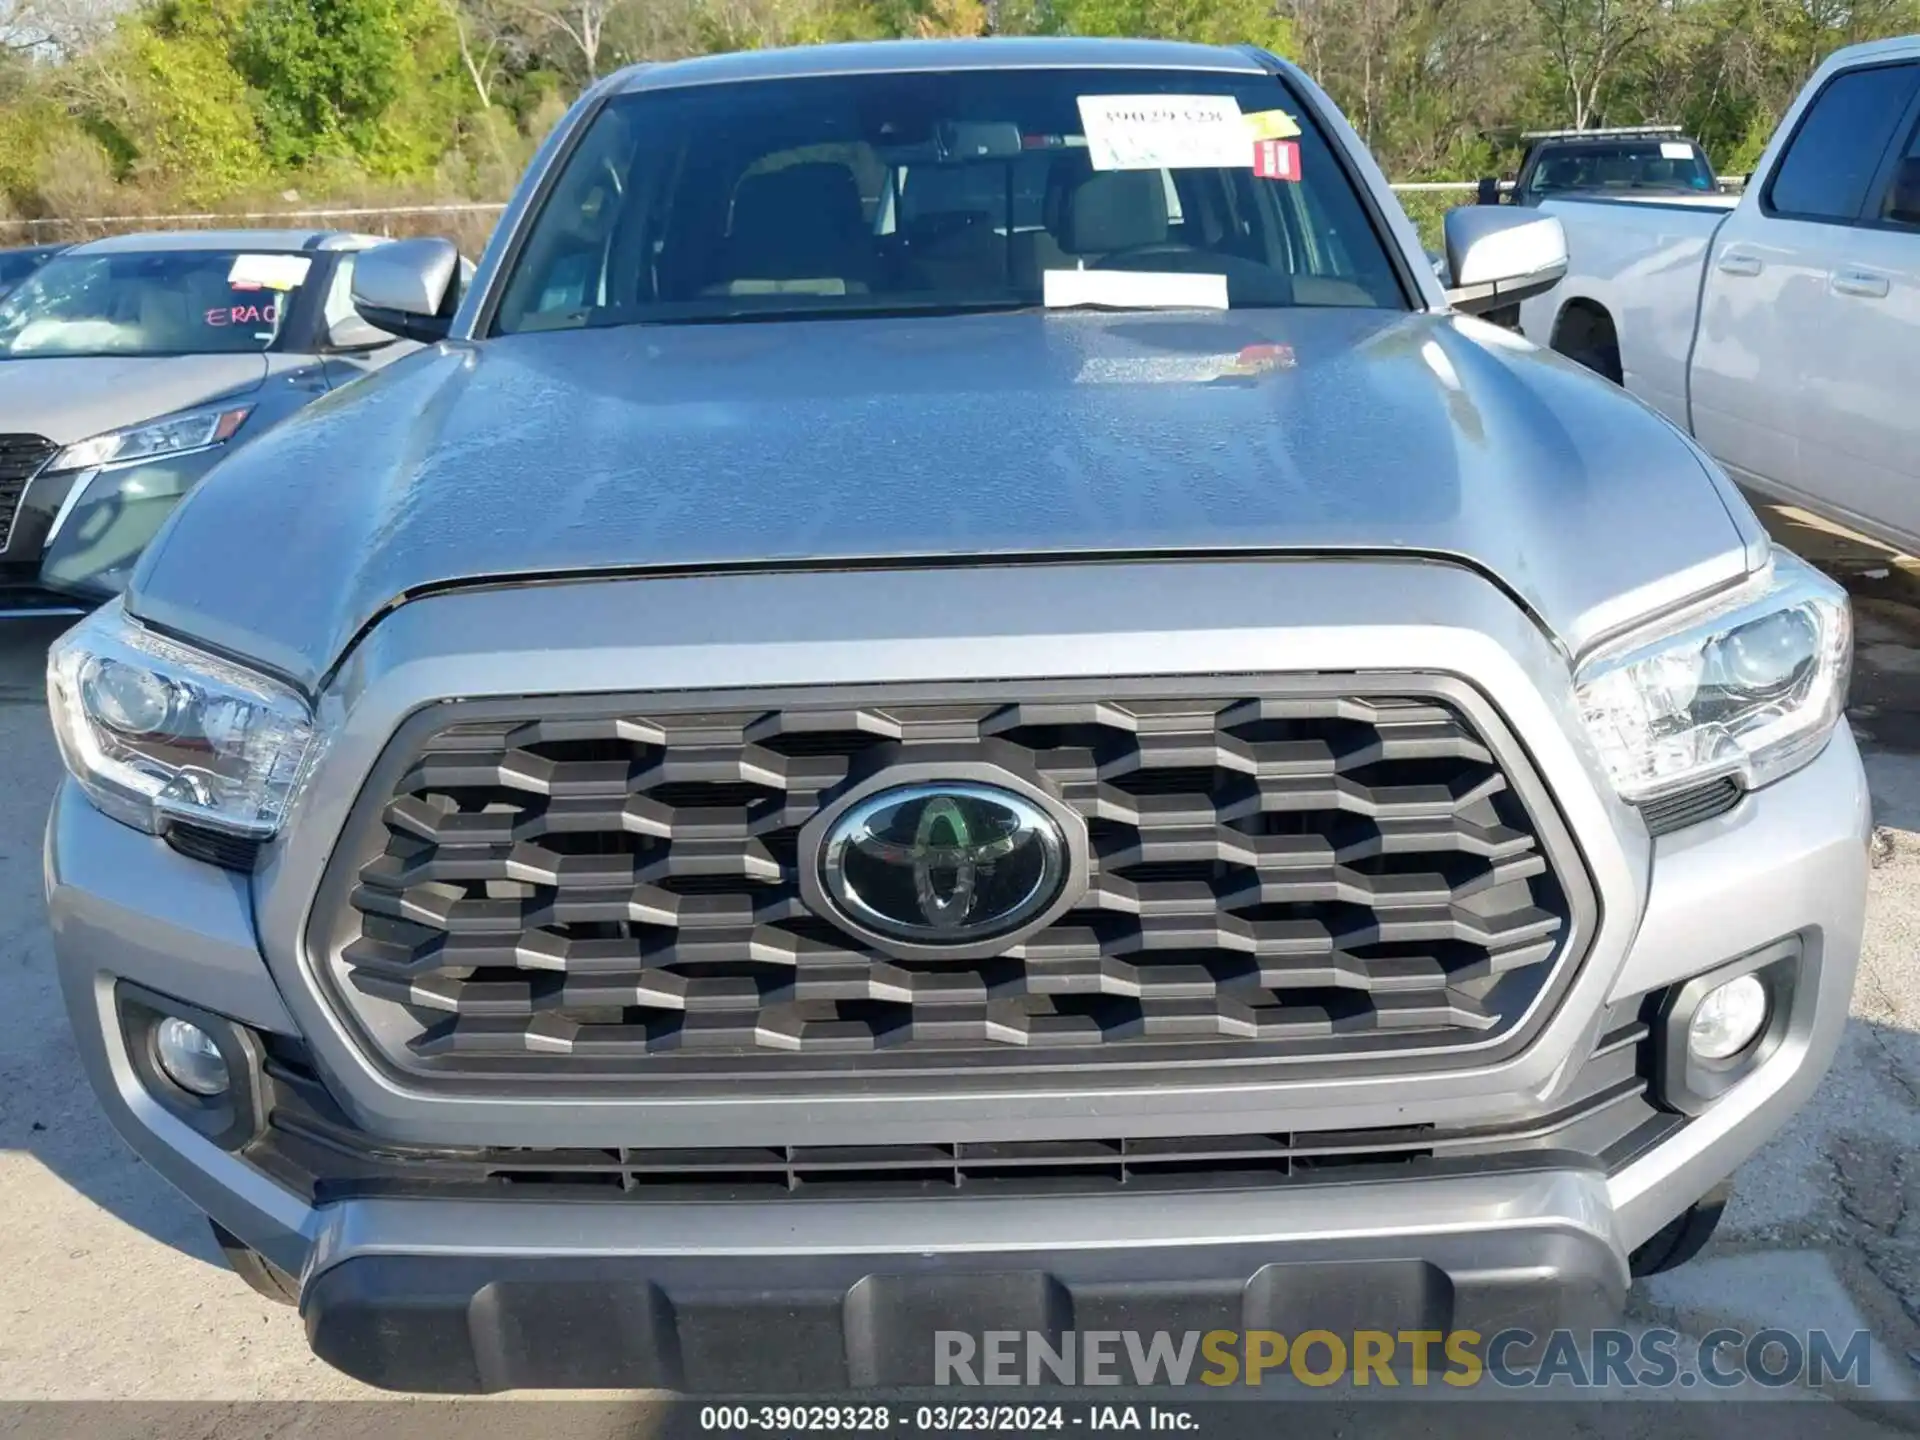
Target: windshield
985	189
1674	165
170	302
16	265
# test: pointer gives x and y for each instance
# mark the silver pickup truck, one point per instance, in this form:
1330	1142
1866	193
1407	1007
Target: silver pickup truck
954	698
1781	329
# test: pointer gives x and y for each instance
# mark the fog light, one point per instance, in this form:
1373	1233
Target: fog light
189	1057
1728	1019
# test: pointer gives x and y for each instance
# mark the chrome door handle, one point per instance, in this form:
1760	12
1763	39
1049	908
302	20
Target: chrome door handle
1736	262
1864	283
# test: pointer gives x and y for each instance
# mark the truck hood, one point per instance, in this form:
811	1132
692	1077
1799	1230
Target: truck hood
1028	434
69	399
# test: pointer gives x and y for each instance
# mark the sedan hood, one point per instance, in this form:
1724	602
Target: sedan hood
73	399
1027	434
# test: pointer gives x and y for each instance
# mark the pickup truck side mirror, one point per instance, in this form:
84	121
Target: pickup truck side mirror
1497	257
409	288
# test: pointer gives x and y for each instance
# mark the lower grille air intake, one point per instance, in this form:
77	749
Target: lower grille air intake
1605	1119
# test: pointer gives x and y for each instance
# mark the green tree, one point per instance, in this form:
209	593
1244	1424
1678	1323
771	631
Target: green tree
368	80
164	98
1211	22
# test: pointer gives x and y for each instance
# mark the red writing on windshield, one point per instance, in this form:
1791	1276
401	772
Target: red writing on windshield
243	315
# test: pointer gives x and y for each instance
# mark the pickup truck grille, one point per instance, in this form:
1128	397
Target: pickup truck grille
1294	870
21	457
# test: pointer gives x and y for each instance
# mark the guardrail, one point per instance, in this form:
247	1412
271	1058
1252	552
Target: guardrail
1434	187
358	212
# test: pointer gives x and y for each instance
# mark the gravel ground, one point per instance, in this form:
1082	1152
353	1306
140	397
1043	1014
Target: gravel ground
115	1291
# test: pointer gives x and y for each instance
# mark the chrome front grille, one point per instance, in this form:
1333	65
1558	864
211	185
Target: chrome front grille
1285	870
21	457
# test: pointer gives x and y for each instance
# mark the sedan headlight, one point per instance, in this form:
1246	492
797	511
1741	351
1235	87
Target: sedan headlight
1750	685
155	731
173	435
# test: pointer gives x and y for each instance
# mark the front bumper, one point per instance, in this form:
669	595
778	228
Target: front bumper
107	518
77	535
628	1290
469	1295
793	1297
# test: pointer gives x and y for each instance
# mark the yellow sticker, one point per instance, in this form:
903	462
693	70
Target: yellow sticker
1272	125
269	272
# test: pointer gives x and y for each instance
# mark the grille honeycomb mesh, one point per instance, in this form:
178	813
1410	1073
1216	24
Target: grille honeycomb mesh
1270	873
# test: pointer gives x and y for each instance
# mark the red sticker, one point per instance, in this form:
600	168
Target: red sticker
1257	360
1267	357
1276	159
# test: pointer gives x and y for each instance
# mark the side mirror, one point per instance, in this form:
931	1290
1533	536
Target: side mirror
409	288
1486	191
1496	257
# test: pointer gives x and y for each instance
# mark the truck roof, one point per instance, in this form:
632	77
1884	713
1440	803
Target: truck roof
1613	132
1899	47
910	56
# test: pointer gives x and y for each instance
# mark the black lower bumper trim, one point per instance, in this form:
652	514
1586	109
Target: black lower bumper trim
776	1325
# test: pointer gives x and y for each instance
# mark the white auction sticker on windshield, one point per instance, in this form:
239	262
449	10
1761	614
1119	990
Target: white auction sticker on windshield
1165	132
1676	150
268	272
1133	290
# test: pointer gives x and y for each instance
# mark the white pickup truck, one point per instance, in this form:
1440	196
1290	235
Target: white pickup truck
1781	329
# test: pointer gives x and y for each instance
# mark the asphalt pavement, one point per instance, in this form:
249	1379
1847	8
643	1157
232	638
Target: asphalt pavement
113	1289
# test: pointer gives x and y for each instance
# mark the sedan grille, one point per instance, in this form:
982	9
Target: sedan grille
21	457
1282	871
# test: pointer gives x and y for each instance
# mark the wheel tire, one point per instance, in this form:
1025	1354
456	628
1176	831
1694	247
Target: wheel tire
1683	1237
1603	359
261	1274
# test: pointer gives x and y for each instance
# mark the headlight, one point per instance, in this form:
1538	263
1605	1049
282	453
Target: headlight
154	730
1750	686
193	430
